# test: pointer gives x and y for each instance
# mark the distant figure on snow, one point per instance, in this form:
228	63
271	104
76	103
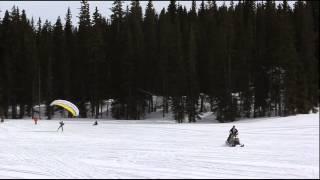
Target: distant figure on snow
35	120
233	138
233	132
61	125
95	123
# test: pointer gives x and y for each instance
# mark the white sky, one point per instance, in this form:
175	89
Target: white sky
52	9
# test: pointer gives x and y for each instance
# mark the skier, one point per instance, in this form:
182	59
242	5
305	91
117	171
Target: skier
61	125
95	123
35	120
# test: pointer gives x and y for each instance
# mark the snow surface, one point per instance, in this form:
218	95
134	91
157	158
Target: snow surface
156	148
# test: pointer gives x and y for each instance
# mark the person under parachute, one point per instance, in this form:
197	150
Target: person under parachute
68	106
233	138
61	126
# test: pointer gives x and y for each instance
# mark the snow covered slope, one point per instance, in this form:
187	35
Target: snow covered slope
274	148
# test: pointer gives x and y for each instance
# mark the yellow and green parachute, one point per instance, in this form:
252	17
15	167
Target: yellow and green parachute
66	105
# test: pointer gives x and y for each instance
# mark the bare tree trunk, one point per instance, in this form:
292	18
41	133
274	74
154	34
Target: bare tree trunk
97	110
22	109
1	114
14	109
107	109
201	103
101	109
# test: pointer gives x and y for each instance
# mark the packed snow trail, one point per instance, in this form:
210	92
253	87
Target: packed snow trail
274	148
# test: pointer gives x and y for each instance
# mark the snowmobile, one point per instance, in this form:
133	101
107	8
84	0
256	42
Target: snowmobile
95	123
233	141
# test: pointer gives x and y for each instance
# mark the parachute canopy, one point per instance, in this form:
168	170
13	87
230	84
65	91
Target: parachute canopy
66	105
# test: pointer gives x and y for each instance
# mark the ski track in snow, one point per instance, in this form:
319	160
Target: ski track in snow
274	148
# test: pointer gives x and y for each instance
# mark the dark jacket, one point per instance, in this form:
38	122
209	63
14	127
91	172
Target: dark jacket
233	131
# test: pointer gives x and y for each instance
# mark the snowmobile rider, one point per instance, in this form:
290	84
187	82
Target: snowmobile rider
95	123
233	132
61	125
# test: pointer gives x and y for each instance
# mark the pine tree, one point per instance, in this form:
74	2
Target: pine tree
69	60
58	59
260	81
248	55
45	58
306	89
162	64
98	58
191	68
2	70
117	11
84	58
150	52
26	65
6	48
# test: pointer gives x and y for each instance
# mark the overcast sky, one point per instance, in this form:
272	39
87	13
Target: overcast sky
52	9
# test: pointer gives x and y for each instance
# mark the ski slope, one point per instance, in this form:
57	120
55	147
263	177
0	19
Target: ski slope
155	148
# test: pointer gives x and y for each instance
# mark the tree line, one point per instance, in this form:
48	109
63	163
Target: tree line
249	59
